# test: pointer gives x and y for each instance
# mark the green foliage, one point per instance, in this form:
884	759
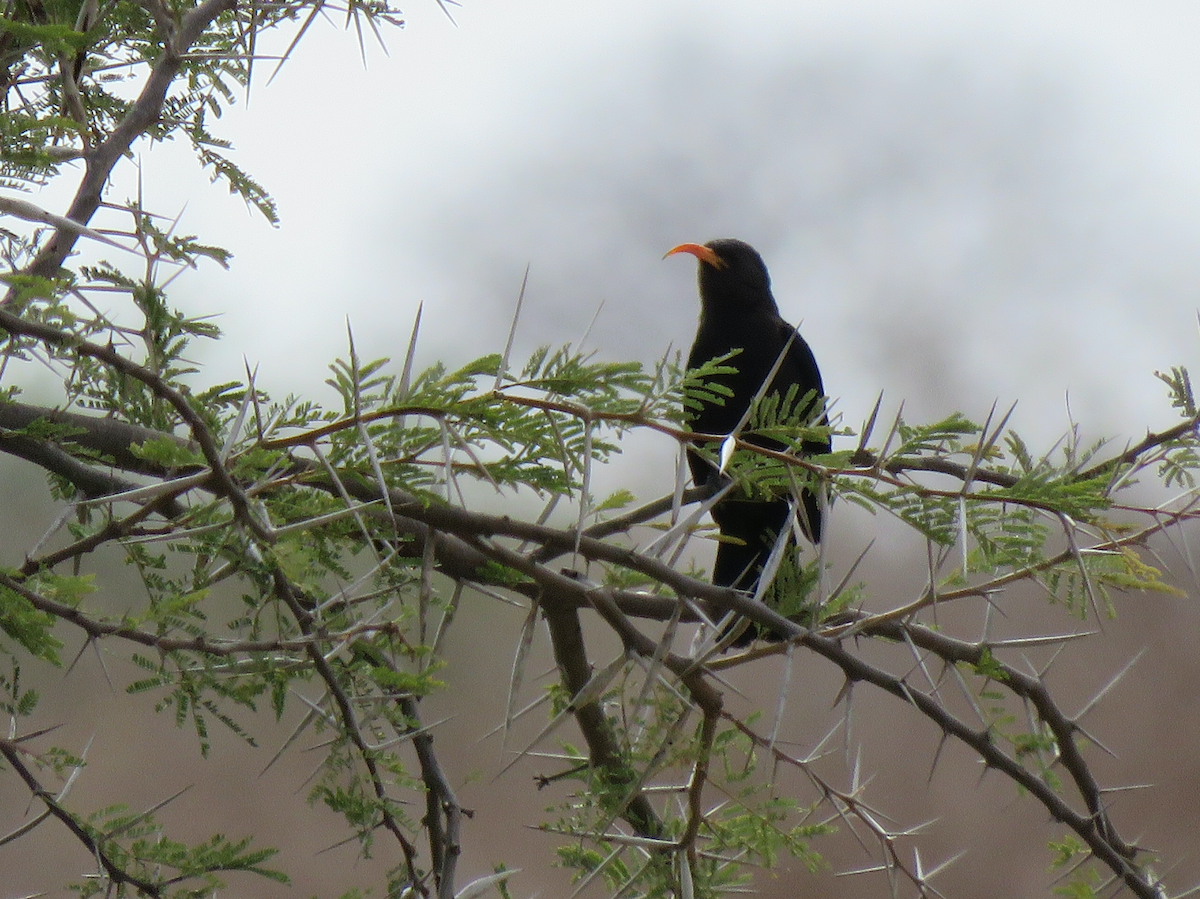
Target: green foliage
792	418
1071	856
942	437
1180	386
136	843
443	436
991	512
30	628
17	703
702	386
754	820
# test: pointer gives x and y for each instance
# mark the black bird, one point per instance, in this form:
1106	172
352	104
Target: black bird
737	311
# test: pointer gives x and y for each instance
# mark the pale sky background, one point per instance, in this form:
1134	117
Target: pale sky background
961	202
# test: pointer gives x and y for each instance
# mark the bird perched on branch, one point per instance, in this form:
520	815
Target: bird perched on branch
738	312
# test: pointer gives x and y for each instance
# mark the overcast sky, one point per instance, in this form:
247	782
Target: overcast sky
961	203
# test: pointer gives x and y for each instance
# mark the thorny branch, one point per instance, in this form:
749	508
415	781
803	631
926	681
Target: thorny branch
443	815
13	753
142	115
285	591
17	326
566	636
468	540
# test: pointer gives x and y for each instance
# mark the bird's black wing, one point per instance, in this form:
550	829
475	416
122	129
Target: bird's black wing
799	369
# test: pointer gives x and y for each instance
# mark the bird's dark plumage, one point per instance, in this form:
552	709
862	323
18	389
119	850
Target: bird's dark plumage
738	311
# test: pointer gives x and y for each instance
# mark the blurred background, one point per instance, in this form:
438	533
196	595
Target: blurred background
961	204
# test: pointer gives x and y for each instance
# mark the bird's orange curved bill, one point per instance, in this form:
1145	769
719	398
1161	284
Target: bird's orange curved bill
703	253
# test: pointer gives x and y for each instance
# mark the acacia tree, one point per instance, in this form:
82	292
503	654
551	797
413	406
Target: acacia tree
294	553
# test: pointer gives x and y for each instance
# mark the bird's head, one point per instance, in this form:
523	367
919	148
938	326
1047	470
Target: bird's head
731	272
